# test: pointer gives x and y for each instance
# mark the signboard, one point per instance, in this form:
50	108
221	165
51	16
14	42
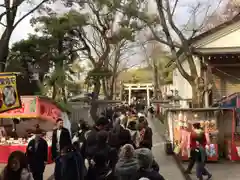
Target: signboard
9	98
48	111
27	110
34	107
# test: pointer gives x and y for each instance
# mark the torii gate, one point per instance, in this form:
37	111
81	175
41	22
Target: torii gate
138	86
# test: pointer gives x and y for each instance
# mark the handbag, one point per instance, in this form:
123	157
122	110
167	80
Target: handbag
177	149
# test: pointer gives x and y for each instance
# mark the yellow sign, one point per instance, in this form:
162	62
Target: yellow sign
9	98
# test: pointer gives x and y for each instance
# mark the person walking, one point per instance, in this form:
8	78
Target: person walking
80	135
69	165
103	160
201	157
119	135
145	134
127	165
88	146
61	138
135	136
145	160
37	155
16	168
196	134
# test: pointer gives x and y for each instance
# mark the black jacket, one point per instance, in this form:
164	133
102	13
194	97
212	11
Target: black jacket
119	137
150	174
89	143
65	140
147	139
37	157
69	166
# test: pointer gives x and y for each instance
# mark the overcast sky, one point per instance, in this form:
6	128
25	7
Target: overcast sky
182	15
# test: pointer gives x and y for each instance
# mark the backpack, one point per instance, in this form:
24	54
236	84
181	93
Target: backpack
91	139
114	140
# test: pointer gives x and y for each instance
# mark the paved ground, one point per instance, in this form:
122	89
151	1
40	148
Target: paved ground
168	166
223	170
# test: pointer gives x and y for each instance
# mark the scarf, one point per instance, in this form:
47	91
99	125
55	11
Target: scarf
142	133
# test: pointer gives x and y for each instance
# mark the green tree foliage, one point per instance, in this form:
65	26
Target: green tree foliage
89	31
9	21
56	48
139	75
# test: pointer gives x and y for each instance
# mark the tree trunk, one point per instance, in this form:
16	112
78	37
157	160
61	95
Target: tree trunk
54	93
115	91
105	88
157	90
197	96
4	43
109	90
94	104
64	94
112	87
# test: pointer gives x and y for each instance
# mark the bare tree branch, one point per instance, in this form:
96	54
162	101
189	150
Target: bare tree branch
85	44
170	40
30	12
174	7
4	25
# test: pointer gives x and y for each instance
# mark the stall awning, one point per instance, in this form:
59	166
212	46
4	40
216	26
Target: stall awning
34	107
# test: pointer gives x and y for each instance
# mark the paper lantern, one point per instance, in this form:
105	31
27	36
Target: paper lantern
207	122
180	116
202	123
213	121
185	119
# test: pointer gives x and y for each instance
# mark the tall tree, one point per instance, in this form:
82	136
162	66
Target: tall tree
107	25
56	48
32	58
65	45
157	58
9	21
178	38
119	60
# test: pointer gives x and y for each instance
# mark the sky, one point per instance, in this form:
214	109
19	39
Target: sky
24	28
181	16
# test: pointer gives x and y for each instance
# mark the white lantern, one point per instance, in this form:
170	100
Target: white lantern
180	116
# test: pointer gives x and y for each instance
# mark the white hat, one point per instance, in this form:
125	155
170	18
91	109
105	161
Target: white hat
144	178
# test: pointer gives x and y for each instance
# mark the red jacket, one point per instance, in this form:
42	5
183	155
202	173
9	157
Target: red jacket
194	137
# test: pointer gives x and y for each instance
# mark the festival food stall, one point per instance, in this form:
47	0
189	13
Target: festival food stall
181	122
34	110
231	135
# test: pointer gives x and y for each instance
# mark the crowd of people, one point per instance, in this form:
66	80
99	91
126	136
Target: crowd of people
118	146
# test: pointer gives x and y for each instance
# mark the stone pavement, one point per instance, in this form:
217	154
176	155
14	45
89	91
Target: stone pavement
167	164
222	170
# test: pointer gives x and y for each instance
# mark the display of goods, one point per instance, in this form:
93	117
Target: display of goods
213	140
198	131
202	124
207	123
210	126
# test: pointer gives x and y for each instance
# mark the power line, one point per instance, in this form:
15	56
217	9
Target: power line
230	75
